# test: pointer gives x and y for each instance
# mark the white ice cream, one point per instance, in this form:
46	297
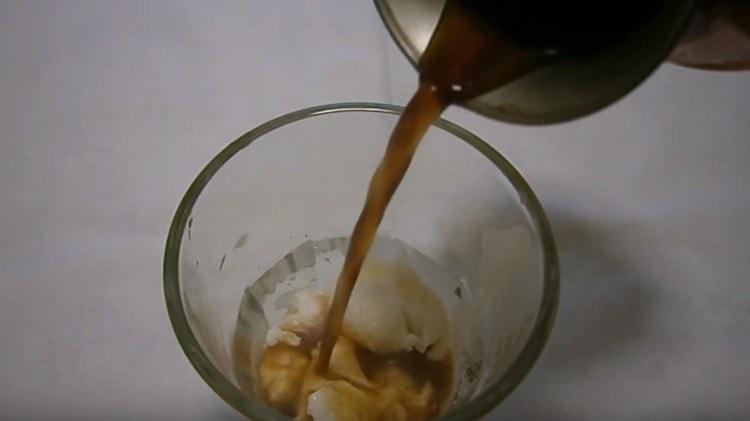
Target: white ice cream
390	310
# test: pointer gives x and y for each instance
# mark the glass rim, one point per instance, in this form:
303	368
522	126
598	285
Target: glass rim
475	408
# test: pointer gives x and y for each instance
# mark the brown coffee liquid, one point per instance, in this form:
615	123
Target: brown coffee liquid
408	380
417	117
421	370
465	58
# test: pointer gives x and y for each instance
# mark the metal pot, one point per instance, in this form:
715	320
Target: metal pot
559	92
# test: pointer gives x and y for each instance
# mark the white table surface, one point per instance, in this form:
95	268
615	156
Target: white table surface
108	110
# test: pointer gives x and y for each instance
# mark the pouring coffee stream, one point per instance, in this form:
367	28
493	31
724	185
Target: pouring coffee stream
449	73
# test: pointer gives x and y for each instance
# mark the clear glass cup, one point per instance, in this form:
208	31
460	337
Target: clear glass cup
303	176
